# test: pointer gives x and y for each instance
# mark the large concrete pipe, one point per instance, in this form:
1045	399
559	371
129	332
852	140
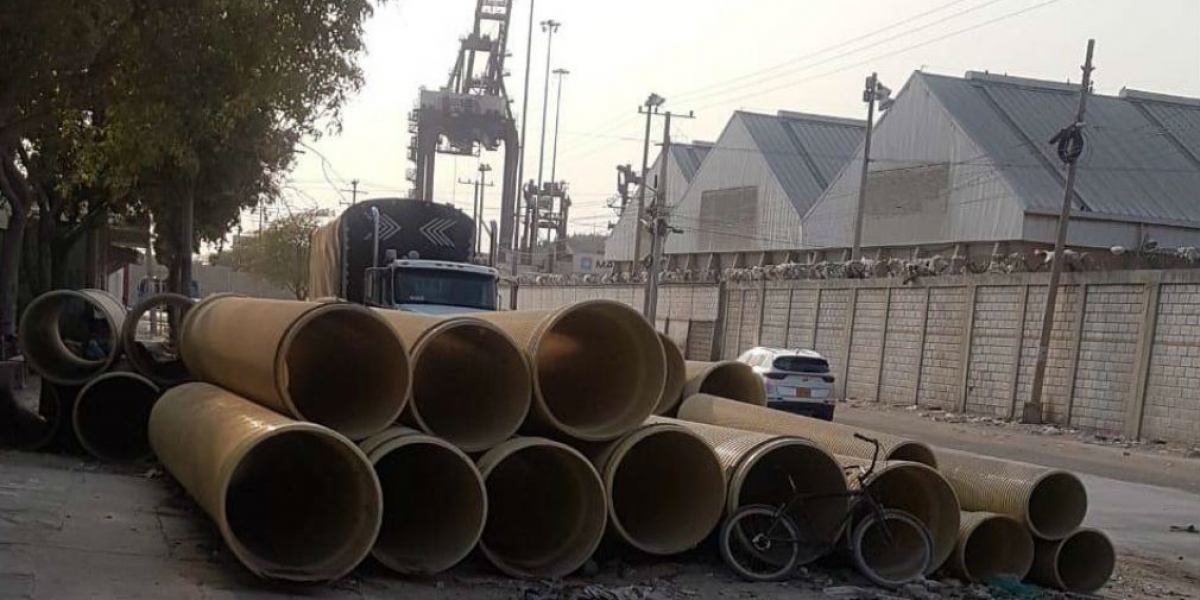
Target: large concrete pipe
834	437
918	490
676	377
1081	563
758	468
546	508
598	367
22	425
991	545
157	360
111	416
71	336
1051	502
294	501
726	379
434	502
665	487
471	383
338	365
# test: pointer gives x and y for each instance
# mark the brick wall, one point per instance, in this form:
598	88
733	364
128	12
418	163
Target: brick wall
870	319
1173	386
902	346
941	365
995	339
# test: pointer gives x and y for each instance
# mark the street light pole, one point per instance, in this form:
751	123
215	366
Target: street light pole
562	73
651	108
869	98
516	244
550	27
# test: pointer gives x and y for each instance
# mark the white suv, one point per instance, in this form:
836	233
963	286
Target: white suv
797	381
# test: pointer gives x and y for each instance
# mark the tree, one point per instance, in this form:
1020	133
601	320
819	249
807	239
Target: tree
279	254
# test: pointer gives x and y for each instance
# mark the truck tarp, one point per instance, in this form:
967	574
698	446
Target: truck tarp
341	250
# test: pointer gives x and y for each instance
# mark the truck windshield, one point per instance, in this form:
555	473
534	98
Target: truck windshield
448	288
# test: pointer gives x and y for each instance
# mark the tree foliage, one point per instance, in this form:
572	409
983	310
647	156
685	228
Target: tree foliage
279	254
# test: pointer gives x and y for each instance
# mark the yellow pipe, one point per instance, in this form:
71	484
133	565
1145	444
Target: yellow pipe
1080	563
676	377
726	379
111	415
294	501
165	372
335	364
42	340
991	545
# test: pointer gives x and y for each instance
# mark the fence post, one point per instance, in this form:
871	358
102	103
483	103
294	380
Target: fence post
1137	408
1016	356
921	349
762	310
787	318
848	340
1076	348
718	342
887	316
964	368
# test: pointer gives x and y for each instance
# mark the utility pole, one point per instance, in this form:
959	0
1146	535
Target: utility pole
1070	146
650	108
484	169
354	192
874	92
557	119
512	256
658	218
550	27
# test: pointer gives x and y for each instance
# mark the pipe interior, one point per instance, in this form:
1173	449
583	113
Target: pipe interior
1057	505
546	512
734	381
923	494
66	336
433	508
898	561
156	354
347	370
668	492
998	546
112	417
676	377
914	452
471	387
1085	561
600	369
813	472
301	501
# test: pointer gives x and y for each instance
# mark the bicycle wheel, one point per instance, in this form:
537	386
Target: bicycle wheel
893	551
760	545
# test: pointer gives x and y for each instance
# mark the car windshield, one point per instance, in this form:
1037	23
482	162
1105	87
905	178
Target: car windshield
801	364
449	288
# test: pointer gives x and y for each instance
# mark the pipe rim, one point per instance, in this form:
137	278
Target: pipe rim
634	414
1071	520
676	376
88	444
346	558
966	537
913	451
130	329
945	536
510	428
1094	536
90	297
612	462
382	445
697	384
403	364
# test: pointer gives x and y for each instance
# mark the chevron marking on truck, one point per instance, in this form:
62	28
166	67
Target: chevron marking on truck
435	232
388	227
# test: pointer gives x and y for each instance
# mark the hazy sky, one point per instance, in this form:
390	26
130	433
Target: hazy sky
717	56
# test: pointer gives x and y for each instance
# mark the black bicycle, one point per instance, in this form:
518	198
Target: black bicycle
767	543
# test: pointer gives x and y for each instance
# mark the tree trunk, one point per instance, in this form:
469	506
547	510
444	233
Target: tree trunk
10	261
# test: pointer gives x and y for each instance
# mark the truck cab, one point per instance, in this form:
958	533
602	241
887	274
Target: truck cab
432	287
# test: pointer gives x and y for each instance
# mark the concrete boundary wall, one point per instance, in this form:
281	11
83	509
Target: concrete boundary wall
1124	355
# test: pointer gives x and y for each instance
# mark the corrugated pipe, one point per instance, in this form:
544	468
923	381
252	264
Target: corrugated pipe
294	501
166	372
434	502
1051	502
546	508
726	379
920	491
335	364
991	545
665	487
836	438
111	416
71	336
676	377
598	367
471	383
758	466
1081	563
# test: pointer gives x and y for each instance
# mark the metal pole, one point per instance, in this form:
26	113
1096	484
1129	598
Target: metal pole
483	171
1032	411
656	228
641	204
512	257
475	206
869	97
550	27
557	119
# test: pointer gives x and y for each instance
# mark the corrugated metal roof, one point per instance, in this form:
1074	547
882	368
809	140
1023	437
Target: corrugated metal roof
1134	166
689	157
805	152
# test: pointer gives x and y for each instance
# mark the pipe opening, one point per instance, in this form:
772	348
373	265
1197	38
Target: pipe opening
471	386
668	491
68	336
546	512
899	561
734	381
434	507
1057	505
913	452
112	417
676	377
765	480
997	546
150	338
600	370
1086	561
926	495
346	369
29	419
302	502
